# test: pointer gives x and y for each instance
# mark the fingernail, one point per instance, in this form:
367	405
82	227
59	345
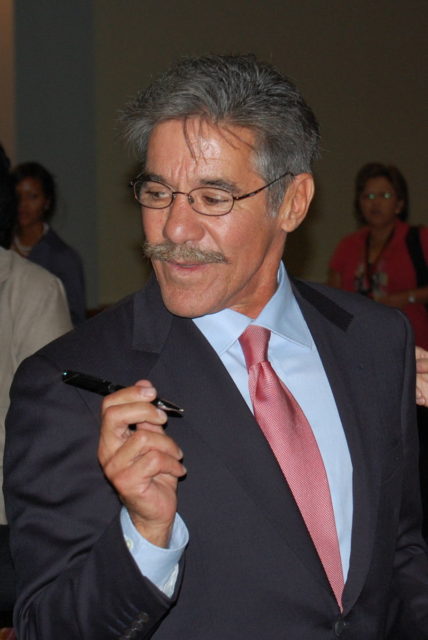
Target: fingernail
147	392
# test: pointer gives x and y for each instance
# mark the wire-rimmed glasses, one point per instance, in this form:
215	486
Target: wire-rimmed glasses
208	201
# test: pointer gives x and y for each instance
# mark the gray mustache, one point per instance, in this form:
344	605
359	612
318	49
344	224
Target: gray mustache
168	251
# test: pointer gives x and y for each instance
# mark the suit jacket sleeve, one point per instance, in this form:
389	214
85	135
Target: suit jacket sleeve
409	593
76	577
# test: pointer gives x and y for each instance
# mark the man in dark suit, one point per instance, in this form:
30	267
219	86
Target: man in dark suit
113	537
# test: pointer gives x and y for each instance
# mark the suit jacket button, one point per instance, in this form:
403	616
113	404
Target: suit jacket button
339	627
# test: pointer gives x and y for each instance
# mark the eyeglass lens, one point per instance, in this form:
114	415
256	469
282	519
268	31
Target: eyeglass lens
205	200
385	195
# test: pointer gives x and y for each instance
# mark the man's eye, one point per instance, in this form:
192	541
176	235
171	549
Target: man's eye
212	198
155	193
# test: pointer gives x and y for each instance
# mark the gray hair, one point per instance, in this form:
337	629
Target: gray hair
232	90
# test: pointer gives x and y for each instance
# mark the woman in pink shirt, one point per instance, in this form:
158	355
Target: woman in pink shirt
376	260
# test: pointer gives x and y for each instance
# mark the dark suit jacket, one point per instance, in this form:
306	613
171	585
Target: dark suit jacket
250	570
55	255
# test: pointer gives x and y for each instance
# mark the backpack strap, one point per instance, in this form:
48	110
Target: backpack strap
414	247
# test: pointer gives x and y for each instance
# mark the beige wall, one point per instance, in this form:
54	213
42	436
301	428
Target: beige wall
7	77
360	64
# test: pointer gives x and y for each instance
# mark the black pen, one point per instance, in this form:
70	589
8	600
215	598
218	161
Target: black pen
104	387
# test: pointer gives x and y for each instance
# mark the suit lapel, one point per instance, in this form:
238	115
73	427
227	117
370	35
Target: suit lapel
355	399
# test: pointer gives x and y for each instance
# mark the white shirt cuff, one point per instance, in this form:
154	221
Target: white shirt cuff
159	565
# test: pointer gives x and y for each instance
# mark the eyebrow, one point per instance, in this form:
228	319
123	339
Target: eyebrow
220	184
204	182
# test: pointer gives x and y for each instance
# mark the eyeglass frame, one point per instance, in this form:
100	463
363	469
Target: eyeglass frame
138	178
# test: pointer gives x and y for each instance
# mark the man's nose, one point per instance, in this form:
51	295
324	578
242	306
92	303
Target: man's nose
182	222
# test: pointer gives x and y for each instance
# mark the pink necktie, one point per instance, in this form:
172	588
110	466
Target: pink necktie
296	450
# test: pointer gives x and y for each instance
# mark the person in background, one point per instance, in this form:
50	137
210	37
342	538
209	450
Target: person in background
386	259
33	311
284	502
378	260
35	239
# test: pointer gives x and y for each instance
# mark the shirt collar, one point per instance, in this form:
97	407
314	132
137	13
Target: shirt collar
281	315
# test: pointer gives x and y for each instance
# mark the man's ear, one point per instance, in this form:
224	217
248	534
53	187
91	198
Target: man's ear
296	201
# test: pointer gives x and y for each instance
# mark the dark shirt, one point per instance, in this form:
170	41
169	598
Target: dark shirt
52	253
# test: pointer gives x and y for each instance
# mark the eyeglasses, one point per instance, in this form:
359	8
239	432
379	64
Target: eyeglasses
385	195
209	201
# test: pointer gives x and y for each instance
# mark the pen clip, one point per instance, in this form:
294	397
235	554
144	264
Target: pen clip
169	407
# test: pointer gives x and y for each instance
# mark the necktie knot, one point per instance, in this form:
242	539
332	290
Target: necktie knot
254	342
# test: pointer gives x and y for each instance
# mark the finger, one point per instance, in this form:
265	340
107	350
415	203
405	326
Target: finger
116	420
121	452
133	477
420	397
131	405
121	415
155	464
142	442
143	390
422	365
420	353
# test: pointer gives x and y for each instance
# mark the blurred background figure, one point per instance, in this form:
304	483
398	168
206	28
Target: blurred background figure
35	239
33	311
385	259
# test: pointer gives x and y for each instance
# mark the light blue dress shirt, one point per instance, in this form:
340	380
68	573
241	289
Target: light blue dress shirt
294	357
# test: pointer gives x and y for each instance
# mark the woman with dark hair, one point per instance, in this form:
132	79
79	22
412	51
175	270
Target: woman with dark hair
379	260
35	239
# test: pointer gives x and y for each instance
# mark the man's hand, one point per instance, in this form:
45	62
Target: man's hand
143	465
421	376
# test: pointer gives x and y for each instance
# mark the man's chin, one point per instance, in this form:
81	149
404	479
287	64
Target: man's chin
185	304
